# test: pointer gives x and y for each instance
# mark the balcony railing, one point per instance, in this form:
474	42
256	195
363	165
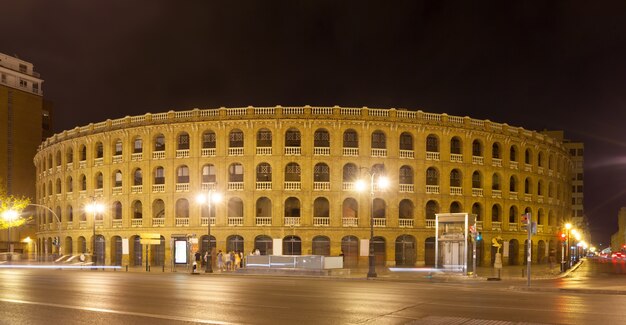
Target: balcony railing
496	194
182	153
496	225
98	192
512	195
540	228
406	188
137	156
292	221
321	221
82	164
69	166
528	167
117	159
348	186
235	186
99	223
321	151
207	152
82	224
117	190
456	190
432	155
116	223
136	188
158	188
379	152
380	222
477	192
235	151
292	186
350	222
182	187
528	197
82	194
351	152
321	186
263	185
513	226
496	162
432	189
263	221
98	161
513	165
207	186
158	222
69	225
455	157
479	225
540	170
235	221
136	222
264	151
477	160
292	151
430	223
204	221
182	222
158	155
405	223
410	154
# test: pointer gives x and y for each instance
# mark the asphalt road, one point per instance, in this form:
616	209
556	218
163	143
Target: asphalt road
97	297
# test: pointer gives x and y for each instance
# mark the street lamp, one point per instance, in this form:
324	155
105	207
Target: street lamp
95	208
208	198
568	226
9	216
56	218
383	183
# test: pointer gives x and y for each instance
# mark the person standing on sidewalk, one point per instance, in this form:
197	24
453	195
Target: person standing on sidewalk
220	261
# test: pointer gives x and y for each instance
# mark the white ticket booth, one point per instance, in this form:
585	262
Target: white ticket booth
453	240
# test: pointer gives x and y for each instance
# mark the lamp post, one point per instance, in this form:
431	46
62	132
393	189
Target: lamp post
9	216
94	208
383	182
210	197
56	217
568	226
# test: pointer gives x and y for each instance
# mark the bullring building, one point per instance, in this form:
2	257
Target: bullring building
289	174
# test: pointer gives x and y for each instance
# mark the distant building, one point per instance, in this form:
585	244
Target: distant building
25	120
289	179
618	239
576	152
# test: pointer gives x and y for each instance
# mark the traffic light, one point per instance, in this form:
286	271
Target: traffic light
479	236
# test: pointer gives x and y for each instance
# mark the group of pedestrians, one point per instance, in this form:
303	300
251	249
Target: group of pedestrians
230	261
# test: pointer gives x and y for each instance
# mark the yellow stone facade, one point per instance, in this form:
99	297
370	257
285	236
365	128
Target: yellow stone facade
436	163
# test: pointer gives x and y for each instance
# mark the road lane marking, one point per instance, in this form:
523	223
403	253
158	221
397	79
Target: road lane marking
118	312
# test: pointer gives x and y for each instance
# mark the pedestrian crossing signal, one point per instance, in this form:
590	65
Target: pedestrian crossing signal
479	236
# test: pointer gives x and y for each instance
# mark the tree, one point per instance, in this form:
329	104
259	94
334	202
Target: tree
11	202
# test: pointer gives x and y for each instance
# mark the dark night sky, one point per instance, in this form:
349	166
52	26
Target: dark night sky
543	64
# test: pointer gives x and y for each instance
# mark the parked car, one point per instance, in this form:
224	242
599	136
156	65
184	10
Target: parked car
617	255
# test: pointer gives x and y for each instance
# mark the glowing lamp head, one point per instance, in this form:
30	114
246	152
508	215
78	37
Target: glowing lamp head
9	215
568	226
212	197
360	185
383	182
94	208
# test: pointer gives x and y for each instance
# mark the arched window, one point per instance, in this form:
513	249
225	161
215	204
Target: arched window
405	209
406	175
455	146
235	172
350	208
264	138
406	141
321	173
528	157
137	210
513	184
495	182
350	173
293	138
235	208
235	139
69	155
476	180
99	180
477	210
292	172
455	207
83	182
159	175
432	176
432	207
117	147
455	178
540	159
69	185
321	139
527	186
182	208
513	214
208	140
182	175
379	208
513	154
70	214
83	153
292	208
321	246
137	145
321	208
263	172
159	142
58	186
208	173
495	213
117	179
99	150
137	177
264	211
495	151
158	209
540	188
117	210
379	140
432	143
350	139
183	141
477	148
58	158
